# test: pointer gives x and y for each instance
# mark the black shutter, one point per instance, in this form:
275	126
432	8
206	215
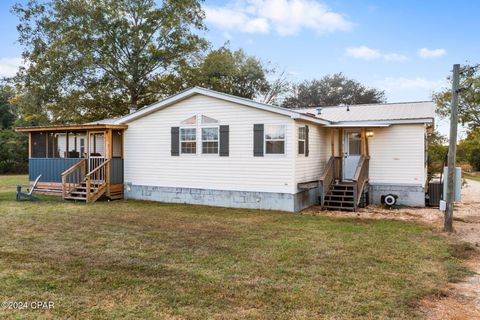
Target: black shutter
224	141
175	139
258	140
306	141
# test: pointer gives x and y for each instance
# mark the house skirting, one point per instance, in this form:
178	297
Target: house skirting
224	198
408	195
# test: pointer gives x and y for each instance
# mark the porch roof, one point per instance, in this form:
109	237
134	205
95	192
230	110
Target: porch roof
73	127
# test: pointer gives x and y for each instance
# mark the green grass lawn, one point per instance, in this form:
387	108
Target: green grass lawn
132	259
471	177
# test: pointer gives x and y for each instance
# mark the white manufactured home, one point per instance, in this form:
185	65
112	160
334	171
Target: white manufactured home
206	147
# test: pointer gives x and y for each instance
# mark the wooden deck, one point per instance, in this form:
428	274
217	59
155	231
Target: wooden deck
55	189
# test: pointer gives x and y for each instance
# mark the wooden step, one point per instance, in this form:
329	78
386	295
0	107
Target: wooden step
344	183
76	198
84	188
342	188
339	208
340	203
81	193
340	193
338	198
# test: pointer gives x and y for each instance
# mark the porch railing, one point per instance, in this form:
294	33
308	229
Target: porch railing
96	181
73	178
360	178
94	162
330	174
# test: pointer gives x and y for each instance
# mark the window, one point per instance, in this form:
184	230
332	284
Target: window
210	140
190	121
301	139
52	146
188	140
39	145
82	147
208	120
274	139
354	143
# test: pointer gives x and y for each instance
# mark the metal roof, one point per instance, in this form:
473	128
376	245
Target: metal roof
72	127
332	116
375	112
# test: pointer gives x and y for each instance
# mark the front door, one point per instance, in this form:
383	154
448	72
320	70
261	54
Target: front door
96	152
352	147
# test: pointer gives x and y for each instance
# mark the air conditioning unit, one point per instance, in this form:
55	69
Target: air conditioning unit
389	199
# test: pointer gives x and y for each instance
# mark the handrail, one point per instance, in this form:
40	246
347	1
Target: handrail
97	180
360	178
73	168
73	177
98	168
329	175
328	168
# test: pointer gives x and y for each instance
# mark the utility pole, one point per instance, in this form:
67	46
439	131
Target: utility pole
452	150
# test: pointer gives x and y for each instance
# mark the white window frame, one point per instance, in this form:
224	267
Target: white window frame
196	140
198	126
304	140
217	141
265	140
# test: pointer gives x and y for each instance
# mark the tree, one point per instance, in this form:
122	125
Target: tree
13	152
278	88
469	149
13	145
7	112
332	90
223	70
469	98
437	150
91	59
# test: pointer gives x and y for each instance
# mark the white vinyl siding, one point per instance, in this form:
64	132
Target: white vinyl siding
397	155
310	168
148	160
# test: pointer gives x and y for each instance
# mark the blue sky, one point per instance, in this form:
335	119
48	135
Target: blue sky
406	48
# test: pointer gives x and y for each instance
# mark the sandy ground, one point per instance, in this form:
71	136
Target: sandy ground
460	300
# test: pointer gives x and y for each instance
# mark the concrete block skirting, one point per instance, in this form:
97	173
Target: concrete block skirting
408	195
307	198
224	198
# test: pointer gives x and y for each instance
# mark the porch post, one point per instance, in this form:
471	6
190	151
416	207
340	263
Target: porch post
332	142
364	142
340	152
29	145
367	151
87	150
108	155
67	144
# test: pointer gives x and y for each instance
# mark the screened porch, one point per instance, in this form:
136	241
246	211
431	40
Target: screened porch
81	162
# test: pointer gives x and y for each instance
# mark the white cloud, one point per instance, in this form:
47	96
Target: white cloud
285	17
9	66
363	52
366	53
426	53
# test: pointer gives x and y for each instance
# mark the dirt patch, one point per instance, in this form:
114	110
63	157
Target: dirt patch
460	300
